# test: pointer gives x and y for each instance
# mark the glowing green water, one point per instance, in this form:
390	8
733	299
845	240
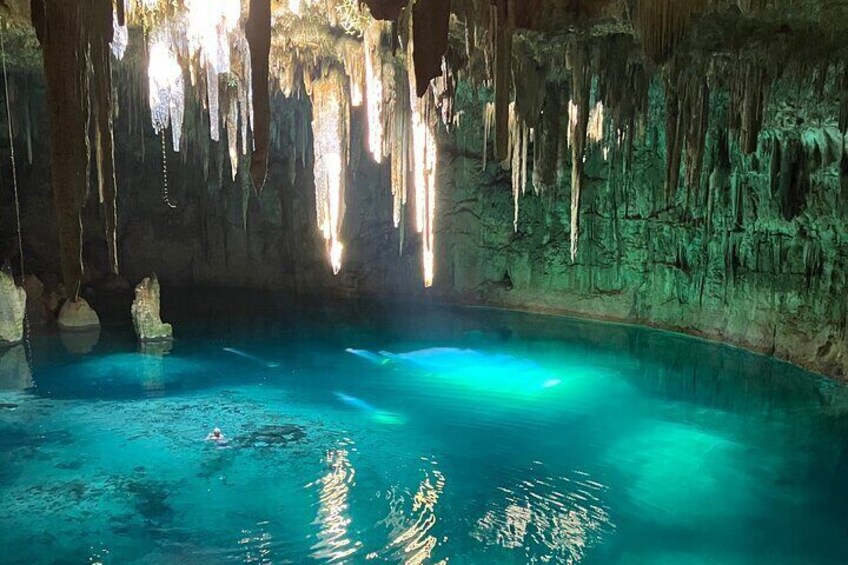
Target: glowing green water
470	436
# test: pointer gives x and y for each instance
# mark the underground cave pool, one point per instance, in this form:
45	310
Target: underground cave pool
373	433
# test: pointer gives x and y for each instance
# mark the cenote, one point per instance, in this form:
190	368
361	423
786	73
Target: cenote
286	282
391	433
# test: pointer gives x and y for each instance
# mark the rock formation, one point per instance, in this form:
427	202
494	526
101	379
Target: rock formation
76	314
12	309
145	312
696	147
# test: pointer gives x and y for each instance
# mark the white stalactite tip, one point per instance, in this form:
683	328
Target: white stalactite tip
329	127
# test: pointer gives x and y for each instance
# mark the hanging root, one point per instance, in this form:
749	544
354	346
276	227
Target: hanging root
12	154
165	196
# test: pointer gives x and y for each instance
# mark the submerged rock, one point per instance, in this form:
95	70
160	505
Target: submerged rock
12	309
273	436
76	314
145	312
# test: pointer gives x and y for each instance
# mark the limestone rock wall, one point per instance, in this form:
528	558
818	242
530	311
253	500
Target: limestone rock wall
755	253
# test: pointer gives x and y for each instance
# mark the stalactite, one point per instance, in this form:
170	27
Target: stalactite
353	55
424	172
502	79
488	124
374	89
100	30
213	93
330	136
243	169
429	35
581	84
517	161
424	163
232	131
243	119
60	27
529	75
258	31
401	145
595	128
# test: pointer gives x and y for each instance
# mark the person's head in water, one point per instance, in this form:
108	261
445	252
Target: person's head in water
216	433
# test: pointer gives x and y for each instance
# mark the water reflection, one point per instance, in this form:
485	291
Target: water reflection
257	544
80	342
334	544
553	519
15	373
152	365
411	537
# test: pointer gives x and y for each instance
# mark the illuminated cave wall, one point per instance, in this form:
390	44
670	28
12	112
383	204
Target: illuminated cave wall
756	256
220	233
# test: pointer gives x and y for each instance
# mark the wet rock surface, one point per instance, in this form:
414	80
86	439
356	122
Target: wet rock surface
76	314
145	312
12	309
745	255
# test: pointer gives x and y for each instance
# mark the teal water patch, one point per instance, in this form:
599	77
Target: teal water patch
430	436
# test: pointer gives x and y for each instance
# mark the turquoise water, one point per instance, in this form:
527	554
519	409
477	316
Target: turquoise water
364	433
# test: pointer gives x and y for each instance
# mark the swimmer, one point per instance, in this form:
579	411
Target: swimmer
216	435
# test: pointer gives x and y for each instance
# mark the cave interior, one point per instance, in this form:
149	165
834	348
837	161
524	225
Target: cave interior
679	164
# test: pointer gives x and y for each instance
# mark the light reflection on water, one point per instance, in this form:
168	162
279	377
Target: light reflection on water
411	522
550	518
333	519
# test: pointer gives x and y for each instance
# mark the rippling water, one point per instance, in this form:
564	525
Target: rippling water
364	433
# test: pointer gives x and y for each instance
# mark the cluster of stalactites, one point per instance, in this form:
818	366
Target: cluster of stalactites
166	86
400	125
330	118
210	34
522	138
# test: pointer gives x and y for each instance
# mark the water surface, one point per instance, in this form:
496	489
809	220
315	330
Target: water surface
369	433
